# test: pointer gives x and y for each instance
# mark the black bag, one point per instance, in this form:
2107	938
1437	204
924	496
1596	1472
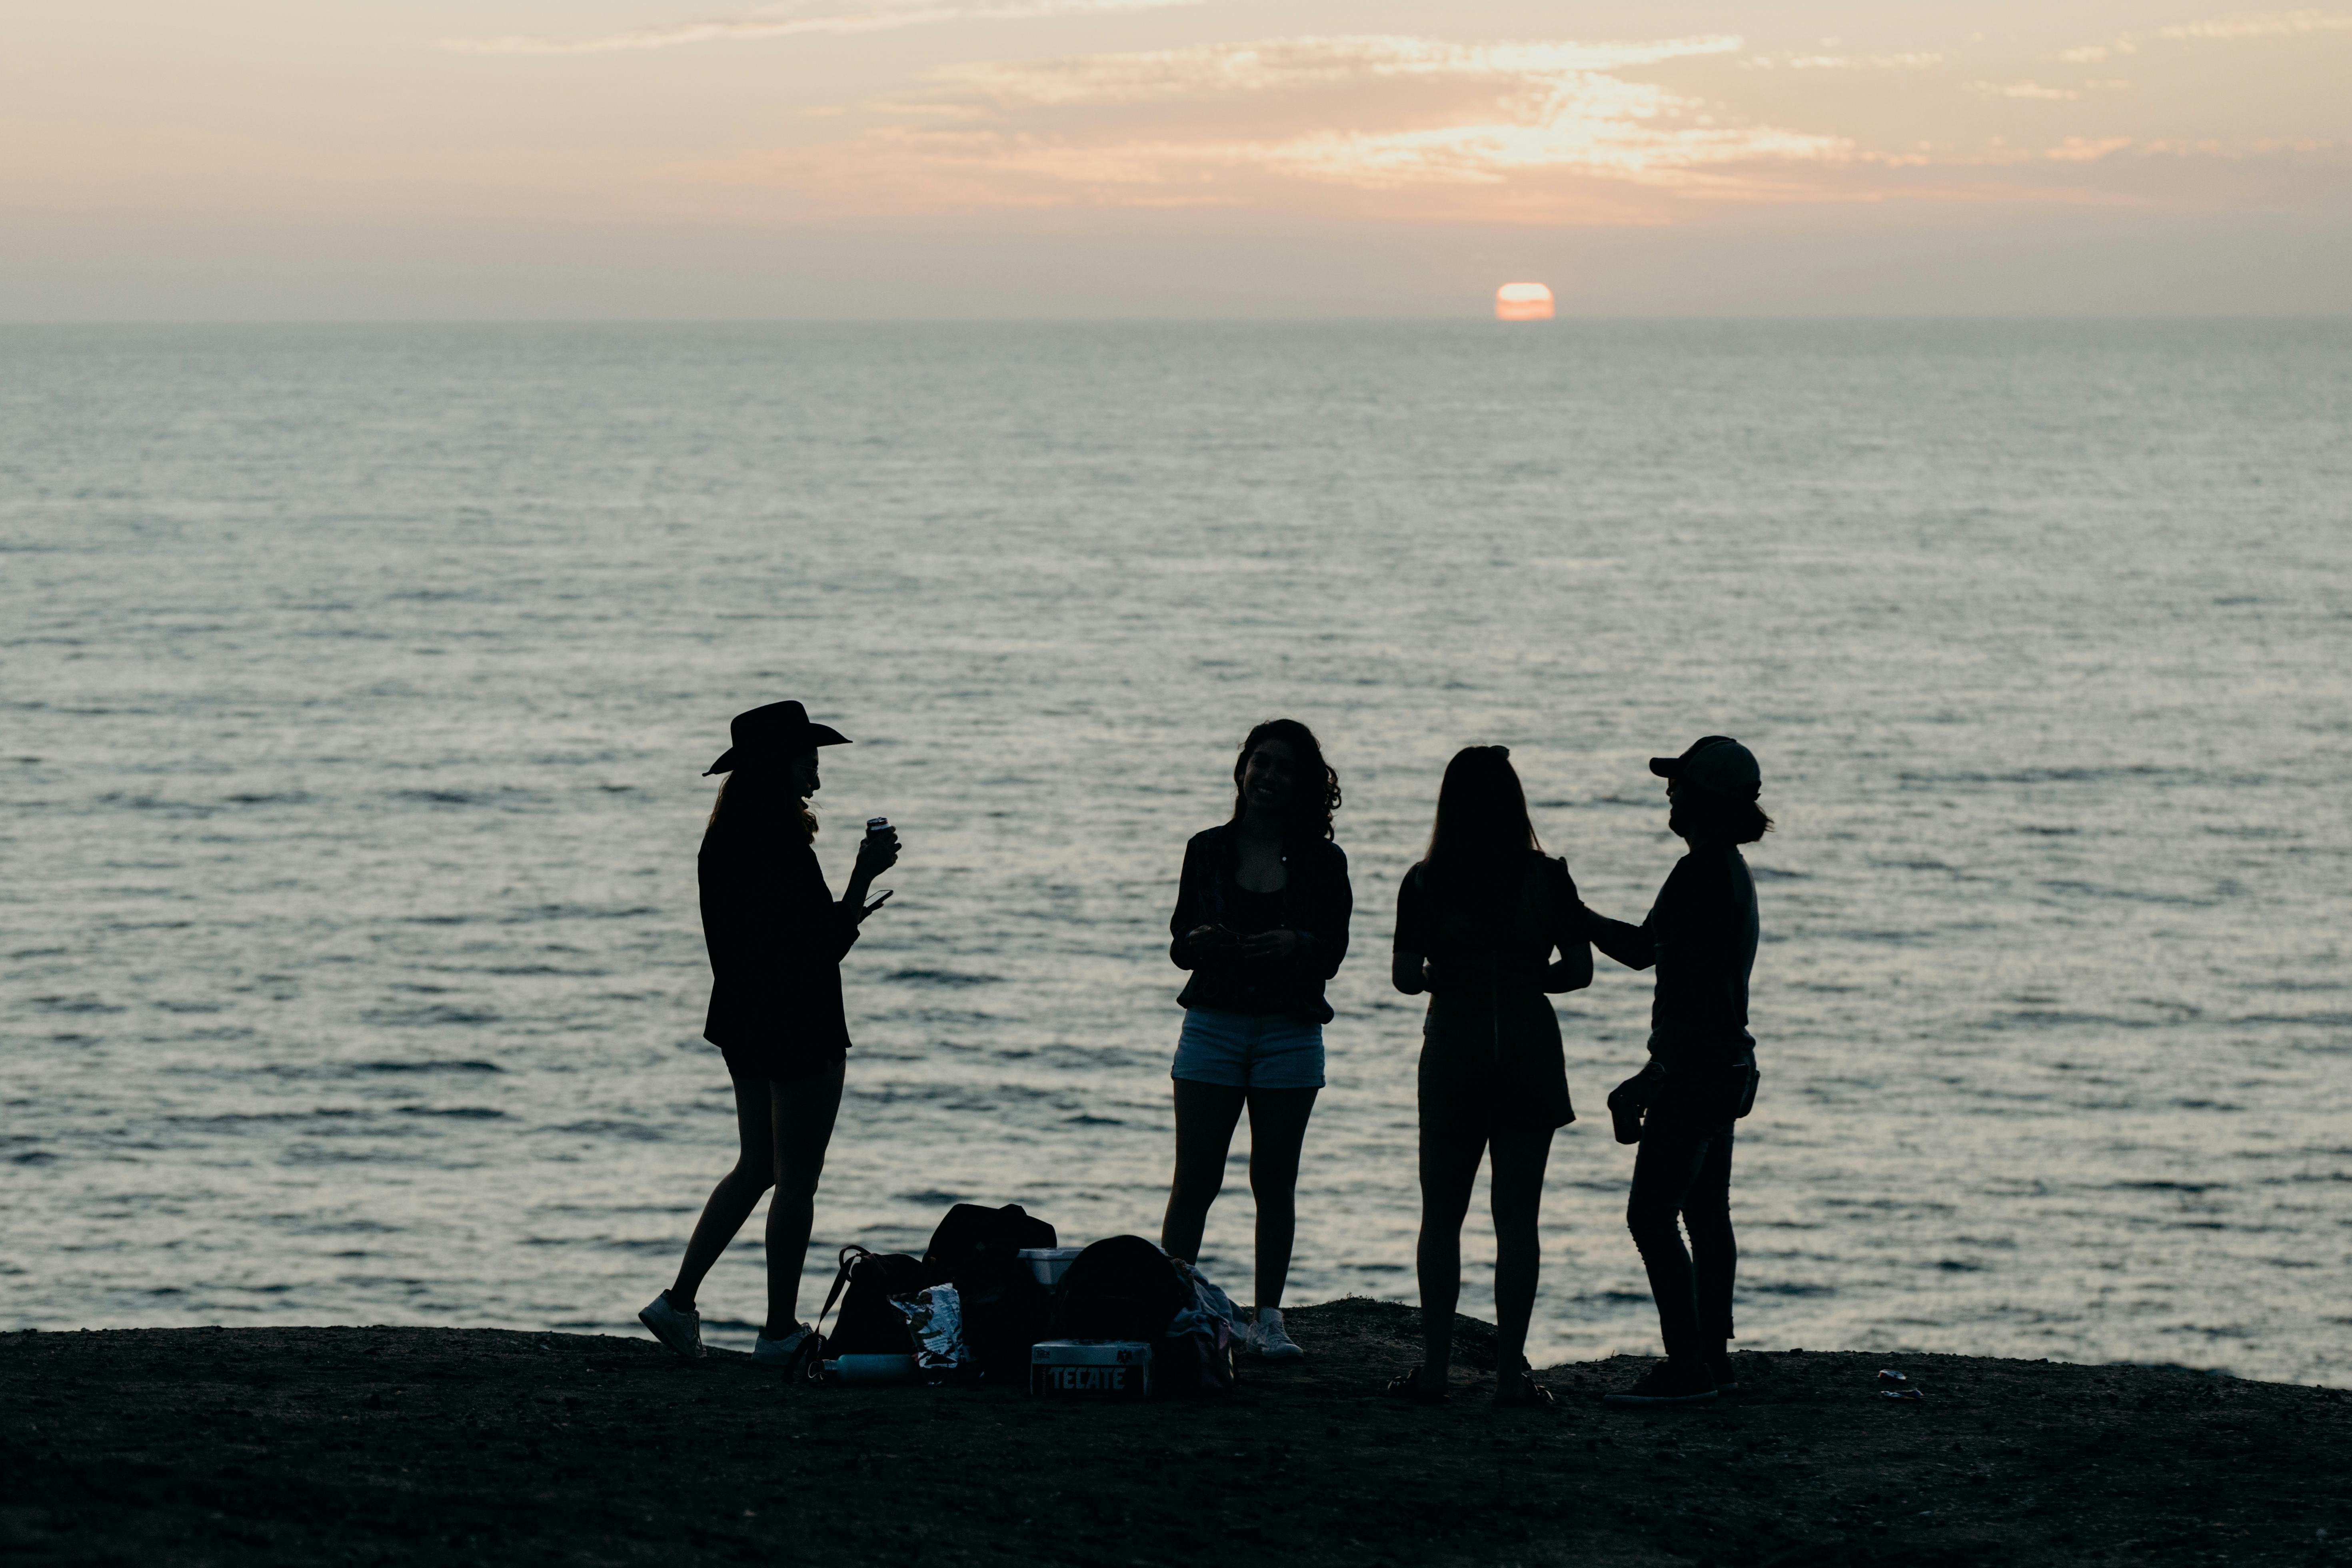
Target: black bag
1124	1288
869	1324
971	1238
1200	1363
1121	1287
1745	1077
1006	1310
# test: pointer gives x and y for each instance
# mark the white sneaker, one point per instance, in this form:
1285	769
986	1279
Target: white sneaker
786	1351
681	1332
1272	1343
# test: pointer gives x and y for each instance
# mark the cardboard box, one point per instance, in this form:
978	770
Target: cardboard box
1090	1369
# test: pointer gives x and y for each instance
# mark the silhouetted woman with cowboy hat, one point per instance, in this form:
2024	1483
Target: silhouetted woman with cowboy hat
776	938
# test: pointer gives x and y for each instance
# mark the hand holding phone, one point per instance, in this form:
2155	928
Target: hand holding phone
1209	938
1269	944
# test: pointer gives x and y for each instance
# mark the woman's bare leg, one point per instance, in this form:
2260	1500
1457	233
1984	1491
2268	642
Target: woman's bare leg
1277	1119
803	1116
1518	1161
737	1194
1449	1169
1206	1114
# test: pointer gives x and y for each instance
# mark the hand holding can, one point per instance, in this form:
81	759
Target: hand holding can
878	850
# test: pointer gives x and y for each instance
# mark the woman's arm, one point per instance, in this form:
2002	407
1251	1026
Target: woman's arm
1572	970
1408	964
1635	947
800	923
1190	938
875	856
1323	945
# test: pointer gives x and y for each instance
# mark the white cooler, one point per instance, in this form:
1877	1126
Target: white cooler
1048	1263
1090	1369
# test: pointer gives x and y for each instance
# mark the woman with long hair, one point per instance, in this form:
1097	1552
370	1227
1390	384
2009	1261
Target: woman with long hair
1701	1076
776	940
1477	923
1261	922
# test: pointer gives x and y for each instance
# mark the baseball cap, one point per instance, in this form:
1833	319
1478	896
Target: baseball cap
1717	764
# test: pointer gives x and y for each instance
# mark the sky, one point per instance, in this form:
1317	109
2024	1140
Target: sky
664	159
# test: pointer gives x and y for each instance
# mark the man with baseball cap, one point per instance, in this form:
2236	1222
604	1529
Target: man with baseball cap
1701	1078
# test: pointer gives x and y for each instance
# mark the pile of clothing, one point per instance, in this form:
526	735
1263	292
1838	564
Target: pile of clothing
993	1284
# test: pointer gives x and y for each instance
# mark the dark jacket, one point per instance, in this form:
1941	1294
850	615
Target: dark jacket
776	940
1315	903
1701	933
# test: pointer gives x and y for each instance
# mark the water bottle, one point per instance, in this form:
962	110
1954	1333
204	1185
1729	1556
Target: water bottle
872	1370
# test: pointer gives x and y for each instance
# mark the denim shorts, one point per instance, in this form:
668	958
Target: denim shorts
1249	1050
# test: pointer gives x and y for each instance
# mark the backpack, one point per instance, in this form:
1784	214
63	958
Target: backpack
869	1324
1004	1307
1198	1358
1005	1311
1121	1287
970	1236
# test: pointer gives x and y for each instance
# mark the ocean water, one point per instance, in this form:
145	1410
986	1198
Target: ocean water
357	682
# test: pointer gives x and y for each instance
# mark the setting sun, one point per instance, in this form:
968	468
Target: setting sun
1523	302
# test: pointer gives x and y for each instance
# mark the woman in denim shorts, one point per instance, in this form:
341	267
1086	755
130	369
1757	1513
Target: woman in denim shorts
1261	922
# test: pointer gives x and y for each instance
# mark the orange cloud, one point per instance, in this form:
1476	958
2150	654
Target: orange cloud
1559	132
762	25
2274	25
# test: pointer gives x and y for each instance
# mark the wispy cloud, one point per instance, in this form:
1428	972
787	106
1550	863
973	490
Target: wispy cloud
1519	108
1581	142
2086	149
1547	125
1916	62
774	24
2028	89
1290	63
1409	126
2270	25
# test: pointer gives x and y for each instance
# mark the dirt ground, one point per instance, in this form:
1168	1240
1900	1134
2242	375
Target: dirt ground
380	1445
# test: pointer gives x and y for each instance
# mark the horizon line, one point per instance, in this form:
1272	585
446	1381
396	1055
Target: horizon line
1187	319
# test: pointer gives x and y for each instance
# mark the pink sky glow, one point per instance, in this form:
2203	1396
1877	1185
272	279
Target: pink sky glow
1141	157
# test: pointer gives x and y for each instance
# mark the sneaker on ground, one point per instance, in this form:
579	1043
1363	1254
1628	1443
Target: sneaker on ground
1718	1367
786	1350
681	1331
1272	1343
1668	1382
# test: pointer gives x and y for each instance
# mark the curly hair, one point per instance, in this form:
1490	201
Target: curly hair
1311	808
